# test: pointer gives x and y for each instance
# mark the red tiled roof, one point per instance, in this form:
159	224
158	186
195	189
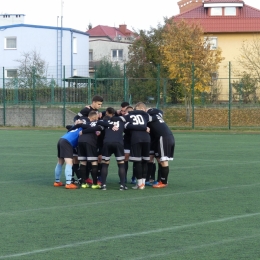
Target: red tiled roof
247	19
223	1
107	31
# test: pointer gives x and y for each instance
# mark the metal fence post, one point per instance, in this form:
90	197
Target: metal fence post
64	98
52	91
95	87
230	97
125	87
34	96
89	91
158	86
4	109
192	95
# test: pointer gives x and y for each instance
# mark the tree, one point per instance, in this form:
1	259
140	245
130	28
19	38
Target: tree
246	88
142	67
110	80
249	59
186	51
108	69
31	67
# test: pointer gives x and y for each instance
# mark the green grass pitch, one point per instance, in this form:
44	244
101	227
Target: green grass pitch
210	209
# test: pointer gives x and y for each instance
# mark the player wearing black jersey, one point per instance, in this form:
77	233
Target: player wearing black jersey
96	104
163	144
87	149
140	142
113	144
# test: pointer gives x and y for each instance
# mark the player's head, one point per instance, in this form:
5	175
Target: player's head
93	116
97	102
140	106
110	111
129	108
124	105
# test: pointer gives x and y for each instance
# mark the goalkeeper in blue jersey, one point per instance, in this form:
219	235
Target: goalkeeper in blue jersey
65	147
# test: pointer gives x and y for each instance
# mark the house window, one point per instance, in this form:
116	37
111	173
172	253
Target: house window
10	43
230	11
212	41
90	54
117	55
216	11
74	45
12	73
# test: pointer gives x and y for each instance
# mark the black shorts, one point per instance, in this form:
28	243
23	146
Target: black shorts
99	150
127	145
153	146
165	148
140	151
75	151
65	149
113	148
87	152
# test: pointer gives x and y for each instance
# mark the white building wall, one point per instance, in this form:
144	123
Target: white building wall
43	39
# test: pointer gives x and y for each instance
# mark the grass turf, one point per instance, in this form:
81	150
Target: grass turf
210	209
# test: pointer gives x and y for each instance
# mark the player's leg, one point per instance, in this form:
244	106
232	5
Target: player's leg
120	157
136	158
166	152
57	171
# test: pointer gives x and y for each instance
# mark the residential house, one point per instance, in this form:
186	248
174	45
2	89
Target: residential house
59	47
109	42
227	23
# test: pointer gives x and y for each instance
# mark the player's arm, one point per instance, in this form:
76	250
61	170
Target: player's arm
91	129
130	126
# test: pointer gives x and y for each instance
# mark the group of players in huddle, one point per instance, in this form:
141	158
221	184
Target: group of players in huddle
136	134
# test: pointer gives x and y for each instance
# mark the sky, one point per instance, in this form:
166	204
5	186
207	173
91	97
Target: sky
78	14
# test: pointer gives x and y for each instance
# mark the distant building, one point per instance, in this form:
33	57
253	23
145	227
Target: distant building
58	46
8	19
109	42
227	23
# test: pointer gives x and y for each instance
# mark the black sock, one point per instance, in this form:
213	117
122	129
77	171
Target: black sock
126	169
164	174
137	170
75	169
152	175
104	172
94	172
121	173
149	170
82	173
144	169
89	167
159	172
99	169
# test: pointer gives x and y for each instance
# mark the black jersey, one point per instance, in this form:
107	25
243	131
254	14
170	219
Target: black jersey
157	125
84	112
111	135
137	120
89	133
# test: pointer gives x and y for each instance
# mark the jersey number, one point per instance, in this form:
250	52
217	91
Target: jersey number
137	120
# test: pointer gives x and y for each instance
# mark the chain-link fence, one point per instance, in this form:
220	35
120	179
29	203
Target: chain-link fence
231	99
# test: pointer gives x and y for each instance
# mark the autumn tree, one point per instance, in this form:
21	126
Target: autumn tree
187	52
143	65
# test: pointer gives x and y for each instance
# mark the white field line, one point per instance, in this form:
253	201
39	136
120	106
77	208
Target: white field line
87	204
129	235
190	248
